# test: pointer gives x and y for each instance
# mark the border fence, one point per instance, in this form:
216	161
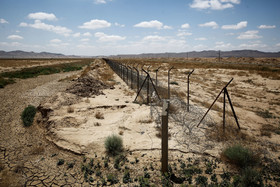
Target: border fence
191	132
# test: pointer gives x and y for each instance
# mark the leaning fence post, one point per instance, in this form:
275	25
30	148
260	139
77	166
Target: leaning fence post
164	137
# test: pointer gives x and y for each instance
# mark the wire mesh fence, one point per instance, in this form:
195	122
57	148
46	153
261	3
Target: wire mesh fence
184	116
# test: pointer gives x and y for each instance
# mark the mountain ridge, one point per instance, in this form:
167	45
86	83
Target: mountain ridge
190	54
205	54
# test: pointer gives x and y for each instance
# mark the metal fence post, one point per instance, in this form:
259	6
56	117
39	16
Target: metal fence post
164	137
169	81
157	73
188	98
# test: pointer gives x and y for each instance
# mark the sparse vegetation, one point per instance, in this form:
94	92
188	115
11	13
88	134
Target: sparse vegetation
5	81
264	114
99	115
114	145
240	156
174	83
8	77
60	162
70	109
28	115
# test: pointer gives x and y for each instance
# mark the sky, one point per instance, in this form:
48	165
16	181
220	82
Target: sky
110	27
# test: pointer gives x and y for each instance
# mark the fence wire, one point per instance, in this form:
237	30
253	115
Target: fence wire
185	130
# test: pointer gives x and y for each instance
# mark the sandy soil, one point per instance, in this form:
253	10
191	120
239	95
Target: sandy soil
77	125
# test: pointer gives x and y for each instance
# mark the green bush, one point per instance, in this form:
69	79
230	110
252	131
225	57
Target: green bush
4	82
240	156
114	145
27	115
251	177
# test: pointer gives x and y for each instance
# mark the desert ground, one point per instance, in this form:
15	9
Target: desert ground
78	110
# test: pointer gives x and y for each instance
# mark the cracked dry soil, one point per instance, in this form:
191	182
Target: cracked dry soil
26	157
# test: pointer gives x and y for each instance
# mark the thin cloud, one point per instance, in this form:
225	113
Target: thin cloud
88	34
182	34
201	39
101	1
185	26
76	35
153	38
55	41
214	4
43	26
15	37
152	24
239	25
84	40
212	24
119	25
95	24
3	21
267	27
248	35
108	38
42	16
223	45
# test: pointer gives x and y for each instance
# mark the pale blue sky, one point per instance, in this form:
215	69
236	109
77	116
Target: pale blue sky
109	27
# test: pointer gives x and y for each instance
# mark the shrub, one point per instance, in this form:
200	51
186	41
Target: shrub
70	109
27	115
4	82
126	177
201	180
174	83
240	156
112	179
251	177
60	162
99	115
114	145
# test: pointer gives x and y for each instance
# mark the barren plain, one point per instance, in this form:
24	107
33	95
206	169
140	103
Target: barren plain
78	110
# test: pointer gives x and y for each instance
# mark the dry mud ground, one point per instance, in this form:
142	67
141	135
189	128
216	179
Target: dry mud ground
79	125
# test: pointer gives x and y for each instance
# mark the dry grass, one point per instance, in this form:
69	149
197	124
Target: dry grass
158	134
124	128
97	124
230	133
85	71
99	115
2	166
258	66
148	120
128	92
87	100
37	150
70	109
69	78
267	130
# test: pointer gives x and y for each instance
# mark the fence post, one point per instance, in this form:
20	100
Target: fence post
188	98
224	110
164	137
169	81
156	74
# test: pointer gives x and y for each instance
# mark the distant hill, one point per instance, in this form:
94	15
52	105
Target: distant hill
208	54
192	54
24	54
